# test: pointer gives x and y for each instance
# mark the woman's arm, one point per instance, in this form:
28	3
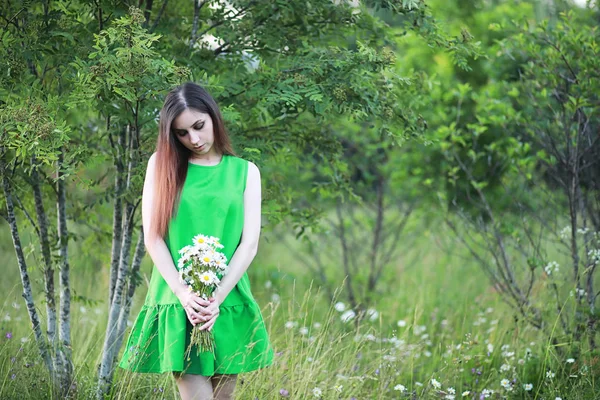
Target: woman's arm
248	247
159	252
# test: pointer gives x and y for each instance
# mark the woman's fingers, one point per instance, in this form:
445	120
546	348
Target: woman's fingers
201	301
208	325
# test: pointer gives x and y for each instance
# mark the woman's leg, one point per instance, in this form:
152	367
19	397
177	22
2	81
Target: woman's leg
223	386
194	387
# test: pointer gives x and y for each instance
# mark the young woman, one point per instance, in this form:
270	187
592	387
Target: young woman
195	184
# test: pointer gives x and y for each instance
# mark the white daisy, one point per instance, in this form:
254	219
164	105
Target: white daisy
347	316
400	388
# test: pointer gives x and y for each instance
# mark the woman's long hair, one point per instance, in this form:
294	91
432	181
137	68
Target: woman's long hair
172	157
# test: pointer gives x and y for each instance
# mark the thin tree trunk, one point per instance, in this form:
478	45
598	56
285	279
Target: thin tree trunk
345	256
64	353
46	255
117	215
27	292
111	340
132	284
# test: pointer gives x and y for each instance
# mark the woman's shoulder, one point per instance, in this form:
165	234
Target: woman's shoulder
242	161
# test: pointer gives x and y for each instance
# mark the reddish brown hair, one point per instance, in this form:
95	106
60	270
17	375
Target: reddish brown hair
172	157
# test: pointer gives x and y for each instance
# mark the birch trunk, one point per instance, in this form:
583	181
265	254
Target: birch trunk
112	339
27	292
47	257
132	284
64	353
117	217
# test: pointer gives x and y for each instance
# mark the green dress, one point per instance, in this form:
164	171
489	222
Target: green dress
211	203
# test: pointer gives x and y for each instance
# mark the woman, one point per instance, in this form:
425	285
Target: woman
195	184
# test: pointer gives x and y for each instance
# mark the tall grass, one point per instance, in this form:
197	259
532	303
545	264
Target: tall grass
440	330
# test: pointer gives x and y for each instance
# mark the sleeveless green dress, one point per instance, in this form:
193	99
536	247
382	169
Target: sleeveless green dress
211	203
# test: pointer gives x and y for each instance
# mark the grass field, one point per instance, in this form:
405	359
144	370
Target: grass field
440	331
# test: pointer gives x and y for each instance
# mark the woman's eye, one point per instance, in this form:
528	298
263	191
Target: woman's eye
181	133
198	127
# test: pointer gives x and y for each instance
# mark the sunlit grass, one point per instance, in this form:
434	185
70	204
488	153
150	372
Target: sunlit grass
440	330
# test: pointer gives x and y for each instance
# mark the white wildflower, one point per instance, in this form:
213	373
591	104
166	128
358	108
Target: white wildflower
565	233
339	306
372	314
317	392
551	267
528	387
570	360
400	388
401	323
550	374
347	316
435	383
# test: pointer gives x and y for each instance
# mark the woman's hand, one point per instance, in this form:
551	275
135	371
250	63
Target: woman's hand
196	308
213	307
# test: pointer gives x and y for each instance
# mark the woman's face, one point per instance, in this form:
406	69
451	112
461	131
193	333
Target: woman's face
194	130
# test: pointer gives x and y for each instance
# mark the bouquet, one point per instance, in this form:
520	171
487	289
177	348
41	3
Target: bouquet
201	267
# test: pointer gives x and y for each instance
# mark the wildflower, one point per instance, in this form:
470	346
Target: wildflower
435	383
570	360
9	335
505	383
550	374
309	359
486	393
451	390
275	298
504	368
528	387
372	314
317	325
290	324
401	323
490	348
551	267
594	254
400	388
317	392
418	329
13	376
370	337
339	306
268	284
565	233
304	330
466	393
449	396
427	353
347	316
558	398
418	384
284	392
521	361
338	388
